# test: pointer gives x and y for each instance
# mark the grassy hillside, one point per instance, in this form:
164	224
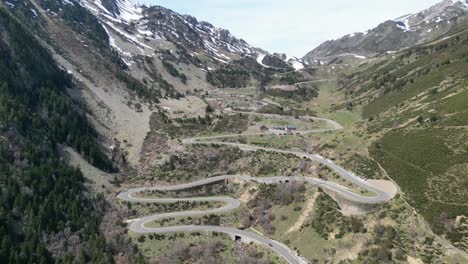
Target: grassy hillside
427	81
247	72
430	166
417	101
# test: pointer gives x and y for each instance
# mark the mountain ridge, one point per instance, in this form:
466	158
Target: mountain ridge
392	35
159	23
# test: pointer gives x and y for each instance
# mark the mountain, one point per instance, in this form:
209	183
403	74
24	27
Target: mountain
417	98
81	84
137	30
393	35
152	26
47	211
98	97
144	26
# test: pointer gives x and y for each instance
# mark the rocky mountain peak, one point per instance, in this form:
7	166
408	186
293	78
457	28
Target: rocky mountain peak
139	24
149	26
392	35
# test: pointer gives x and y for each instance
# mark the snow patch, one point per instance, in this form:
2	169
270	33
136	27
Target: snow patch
297	65
34	12
404	25
403	22
129	11
358	56
101	7
10	4
90	7
129	37
260	59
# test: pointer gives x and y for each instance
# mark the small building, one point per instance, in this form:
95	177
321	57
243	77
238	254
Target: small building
264	128
280	128
288	128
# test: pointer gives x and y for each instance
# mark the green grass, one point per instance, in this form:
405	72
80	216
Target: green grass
312	246
157	245
397	81
299	123
206	160
158	208
231	218
419	161
456	107
394	98
456	103
286	216
346	119
364	167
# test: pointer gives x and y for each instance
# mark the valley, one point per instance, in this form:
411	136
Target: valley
134	134
140	225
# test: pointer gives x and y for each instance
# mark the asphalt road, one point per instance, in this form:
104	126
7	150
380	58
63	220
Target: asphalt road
138	225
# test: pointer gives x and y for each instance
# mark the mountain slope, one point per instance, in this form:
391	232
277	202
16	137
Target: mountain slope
122	85
393	35
144	26
417	99
46	214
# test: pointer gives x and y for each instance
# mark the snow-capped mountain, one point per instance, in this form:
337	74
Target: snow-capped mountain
279	61
142	25
154	26
392	35
433	16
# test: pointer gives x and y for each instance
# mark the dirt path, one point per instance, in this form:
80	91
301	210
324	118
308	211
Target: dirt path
384	185
412	260
305	213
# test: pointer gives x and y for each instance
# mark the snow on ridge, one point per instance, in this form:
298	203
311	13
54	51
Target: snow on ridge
433	13
129	37
403	22
98	3
217	41
129	11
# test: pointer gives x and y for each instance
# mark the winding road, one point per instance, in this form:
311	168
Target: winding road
138	225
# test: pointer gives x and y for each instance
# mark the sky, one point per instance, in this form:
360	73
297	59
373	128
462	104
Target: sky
294	27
